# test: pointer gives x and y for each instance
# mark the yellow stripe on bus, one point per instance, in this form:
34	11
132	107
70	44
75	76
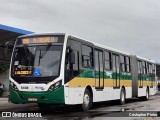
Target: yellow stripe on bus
83	82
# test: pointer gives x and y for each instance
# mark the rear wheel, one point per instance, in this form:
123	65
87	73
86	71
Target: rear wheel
122	96
146	97
147	94
87	101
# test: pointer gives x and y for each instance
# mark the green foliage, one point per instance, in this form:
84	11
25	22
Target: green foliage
3	67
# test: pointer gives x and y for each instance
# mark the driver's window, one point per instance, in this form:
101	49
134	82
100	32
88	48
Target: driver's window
72	70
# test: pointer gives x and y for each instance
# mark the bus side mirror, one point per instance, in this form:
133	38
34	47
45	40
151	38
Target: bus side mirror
72	57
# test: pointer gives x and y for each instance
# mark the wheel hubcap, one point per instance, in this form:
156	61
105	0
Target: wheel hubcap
86	100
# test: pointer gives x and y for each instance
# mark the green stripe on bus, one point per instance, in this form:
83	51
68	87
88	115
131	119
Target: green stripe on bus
90	73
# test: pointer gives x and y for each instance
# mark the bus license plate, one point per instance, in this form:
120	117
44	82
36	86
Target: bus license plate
32	99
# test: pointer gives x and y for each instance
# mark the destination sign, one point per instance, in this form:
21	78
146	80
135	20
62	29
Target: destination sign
36	40
23	72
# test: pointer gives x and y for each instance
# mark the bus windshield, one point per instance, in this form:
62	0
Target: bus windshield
37	61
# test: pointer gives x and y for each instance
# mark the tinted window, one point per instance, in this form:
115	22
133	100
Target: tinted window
107	60
123	64
127	64
87	56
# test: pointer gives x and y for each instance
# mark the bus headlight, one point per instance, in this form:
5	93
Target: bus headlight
13	85
55	86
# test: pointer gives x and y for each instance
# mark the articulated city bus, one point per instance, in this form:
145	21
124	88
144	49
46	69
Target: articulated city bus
60	69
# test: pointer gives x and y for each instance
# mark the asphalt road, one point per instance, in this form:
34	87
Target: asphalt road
103	111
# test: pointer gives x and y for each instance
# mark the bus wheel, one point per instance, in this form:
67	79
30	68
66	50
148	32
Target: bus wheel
122	96
145	98
43	107
147	94
86	100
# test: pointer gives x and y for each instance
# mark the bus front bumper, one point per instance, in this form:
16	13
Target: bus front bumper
48	97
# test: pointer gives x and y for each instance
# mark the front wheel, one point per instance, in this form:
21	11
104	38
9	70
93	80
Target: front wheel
86	100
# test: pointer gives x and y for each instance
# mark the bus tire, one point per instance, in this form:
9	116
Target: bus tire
43	107
86	100
122	96
147	94
146	97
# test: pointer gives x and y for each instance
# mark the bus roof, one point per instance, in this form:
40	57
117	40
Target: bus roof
114	50
148	60
94	43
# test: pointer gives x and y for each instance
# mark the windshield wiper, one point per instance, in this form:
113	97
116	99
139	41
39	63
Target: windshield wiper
41	55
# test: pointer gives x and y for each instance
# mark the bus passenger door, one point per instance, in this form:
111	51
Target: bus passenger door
99	69
116	71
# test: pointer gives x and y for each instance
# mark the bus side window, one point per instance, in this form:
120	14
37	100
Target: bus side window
76	65
71	69
154	72
125	63
153	69
87	56
127	60
122	63
150	69
145	66
108	61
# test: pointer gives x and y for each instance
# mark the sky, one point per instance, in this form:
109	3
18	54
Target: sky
132	26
